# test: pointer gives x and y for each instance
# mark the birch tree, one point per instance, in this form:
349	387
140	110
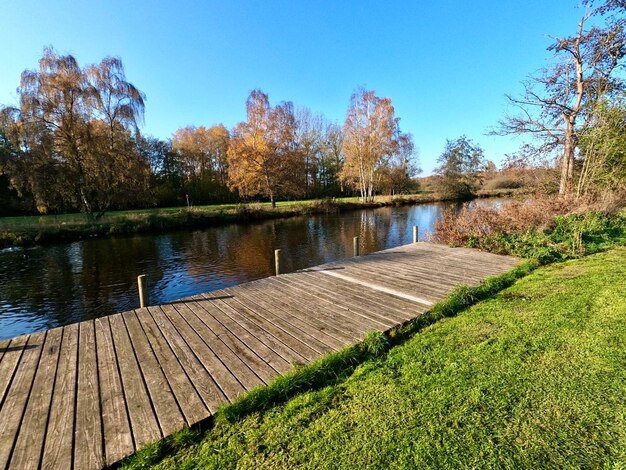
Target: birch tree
368	140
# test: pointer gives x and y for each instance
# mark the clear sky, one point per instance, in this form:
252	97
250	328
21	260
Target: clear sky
445	64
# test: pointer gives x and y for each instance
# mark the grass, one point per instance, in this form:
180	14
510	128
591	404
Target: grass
532	377
31	230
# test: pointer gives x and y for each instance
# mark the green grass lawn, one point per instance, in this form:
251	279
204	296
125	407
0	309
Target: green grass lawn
534	377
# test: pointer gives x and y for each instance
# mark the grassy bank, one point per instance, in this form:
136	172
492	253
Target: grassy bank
54	228
532	377
15	231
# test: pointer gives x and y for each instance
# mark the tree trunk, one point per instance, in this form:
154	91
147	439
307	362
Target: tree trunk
88	208
272	200
567	163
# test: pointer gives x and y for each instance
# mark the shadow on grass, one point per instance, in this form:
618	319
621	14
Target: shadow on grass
330	369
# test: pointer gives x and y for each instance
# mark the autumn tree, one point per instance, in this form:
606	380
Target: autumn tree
263	157
369	140
202	152
460	167
558	104
75	130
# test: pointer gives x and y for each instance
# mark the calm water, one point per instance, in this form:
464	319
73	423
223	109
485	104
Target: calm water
45	287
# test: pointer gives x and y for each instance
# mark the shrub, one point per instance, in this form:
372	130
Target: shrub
503	182
545	229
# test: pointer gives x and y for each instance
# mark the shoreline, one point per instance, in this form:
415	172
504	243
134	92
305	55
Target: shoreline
51	229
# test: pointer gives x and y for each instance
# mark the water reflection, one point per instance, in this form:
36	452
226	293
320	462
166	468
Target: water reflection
44	287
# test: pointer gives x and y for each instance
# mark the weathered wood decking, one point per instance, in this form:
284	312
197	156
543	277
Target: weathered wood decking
89	394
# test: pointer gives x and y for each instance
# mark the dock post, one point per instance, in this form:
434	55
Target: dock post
277	261
142	284
355	246
415	233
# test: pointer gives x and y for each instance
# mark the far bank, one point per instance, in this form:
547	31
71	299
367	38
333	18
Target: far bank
48	229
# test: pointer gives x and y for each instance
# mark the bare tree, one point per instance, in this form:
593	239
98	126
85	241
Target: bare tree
558	103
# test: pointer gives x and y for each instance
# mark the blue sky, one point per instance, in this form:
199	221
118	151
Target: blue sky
445	64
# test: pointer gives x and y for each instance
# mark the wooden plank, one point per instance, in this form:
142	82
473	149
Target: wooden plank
327	295
58	447
358	297
391	283
11	358
4	347
275	293
244	374
478	260
476	264
88	441
440	249
227	382
118	439
285	299
201	380
244	317
209	316
284	335
357	324
13	407
425	276
186	395
313	337
143	421
426	269
231	329
416	286
30	438
456	269
168	414
342	297
441	273
388	304
376	285
352	326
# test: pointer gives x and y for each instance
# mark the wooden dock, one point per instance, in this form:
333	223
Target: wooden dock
89	394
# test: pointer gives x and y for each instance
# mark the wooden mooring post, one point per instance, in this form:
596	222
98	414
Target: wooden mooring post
277	261
415	234
355	246
142	284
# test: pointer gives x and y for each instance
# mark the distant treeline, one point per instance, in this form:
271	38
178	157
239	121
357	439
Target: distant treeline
73	143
